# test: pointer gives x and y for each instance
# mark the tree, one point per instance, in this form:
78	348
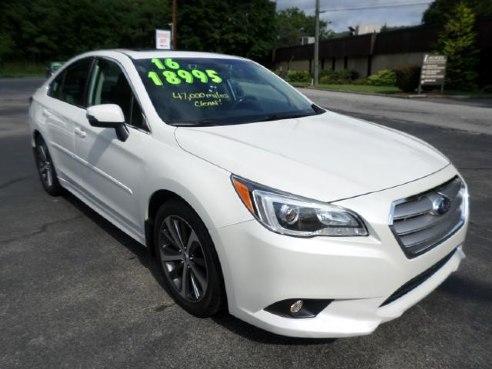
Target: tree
29	28
458	43
44	30
440	9
242	28
293	23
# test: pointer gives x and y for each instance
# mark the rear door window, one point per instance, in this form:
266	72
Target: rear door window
71	85
55	86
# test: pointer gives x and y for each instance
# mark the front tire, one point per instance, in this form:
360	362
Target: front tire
46	168
188	260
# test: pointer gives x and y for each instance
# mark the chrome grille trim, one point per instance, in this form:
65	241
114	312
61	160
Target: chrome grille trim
417	222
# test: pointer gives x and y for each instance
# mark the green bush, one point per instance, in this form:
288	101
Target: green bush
360	81
330	77
408	78
385	77
298	76
282	73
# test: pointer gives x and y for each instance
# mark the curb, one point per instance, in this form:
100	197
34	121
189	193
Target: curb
403	95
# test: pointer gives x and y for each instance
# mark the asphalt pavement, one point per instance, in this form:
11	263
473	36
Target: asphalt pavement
75	292
468	114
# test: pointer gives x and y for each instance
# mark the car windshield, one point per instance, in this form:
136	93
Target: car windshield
219	91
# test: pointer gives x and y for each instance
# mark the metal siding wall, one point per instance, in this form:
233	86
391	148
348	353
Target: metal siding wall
359	65
393	61
301	65
389	50
409	40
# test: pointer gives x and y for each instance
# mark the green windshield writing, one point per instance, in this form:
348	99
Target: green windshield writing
170	72
201	99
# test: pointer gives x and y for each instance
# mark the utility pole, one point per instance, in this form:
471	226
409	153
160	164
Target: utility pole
316	45
174	28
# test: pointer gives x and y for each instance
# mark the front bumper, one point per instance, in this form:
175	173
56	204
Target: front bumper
358	273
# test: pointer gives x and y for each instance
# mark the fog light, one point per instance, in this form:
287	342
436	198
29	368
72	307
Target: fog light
296	306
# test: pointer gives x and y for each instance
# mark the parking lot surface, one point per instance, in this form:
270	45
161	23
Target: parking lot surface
75	292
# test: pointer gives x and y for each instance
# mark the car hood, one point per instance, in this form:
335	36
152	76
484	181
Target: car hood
327	157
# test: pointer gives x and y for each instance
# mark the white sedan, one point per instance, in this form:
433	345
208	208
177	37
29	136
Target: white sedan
296	219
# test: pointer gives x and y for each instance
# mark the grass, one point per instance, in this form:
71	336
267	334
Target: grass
22	70
486	92
300	84
368	89
387	90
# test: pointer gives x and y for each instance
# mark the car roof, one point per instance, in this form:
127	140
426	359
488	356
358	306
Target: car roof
146	54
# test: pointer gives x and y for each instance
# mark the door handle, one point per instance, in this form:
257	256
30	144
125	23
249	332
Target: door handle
47	114
79	132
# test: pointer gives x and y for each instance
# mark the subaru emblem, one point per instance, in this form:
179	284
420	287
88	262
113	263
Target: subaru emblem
441	205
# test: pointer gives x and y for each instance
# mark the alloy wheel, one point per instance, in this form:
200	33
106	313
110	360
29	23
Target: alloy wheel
182	258
45	166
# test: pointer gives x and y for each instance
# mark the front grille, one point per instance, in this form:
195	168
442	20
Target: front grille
423	221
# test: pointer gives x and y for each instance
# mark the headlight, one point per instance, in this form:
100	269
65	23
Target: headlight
295	216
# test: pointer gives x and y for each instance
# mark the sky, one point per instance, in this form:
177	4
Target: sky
341	20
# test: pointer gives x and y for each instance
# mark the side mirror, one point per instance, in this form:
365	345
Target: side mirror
108	116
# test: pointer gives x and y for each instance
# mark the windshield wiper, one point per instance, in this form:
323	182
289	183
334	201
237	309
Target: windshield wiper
317	109
271	117
200	123
241	120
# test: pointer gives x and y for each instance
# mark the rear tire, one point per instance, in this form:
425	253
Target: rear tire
46	168
187	259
